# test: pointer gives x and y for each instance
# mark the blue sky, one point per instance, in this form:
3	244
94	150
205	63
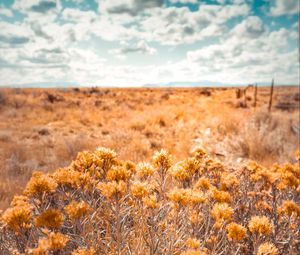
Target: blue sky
138	42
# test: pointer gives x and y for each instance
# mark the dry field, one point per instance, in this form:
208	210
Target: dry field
42	129
134	205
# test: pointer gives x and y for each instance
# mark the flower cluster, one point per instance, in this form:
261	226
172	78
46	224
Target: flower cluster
100	204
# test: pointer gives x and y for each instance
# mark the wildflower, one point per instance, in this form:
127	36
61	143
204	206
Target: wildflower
180	173
267	249
215	166
229	181
263	205
185	169
144	170
130	166
196	197
76	210
192	243
222	211
199	152
203	183
84	251
57	241
261	225
186	196
162	160
235	231
106	154
290	175
193	252
140	189
265	174
118	173
212	240
113	188
178	195
67	176
20	201
195	217
18	217
54	241
51	218
40	183
151	201
289	207
221	196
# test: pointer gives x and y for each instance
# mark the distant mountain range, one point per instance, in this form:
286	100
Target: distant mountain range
202	84
166	84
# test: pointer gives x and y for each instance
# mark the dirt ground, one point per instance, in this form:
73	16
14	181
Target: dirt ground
43	129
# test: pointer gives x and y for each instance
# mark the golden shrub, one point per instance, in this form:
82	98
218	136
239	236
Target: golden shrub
289	207
192	243
84	251
261	225
76	210
221	196
116	206
113	188
236	232
40	183
162	160
144	170
203	183
118	173
267	249
51	218
18	217
222	211
151	201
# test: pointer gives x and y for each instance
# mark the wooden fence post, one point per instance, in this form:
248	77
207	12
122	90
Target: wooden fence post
255	95
271	95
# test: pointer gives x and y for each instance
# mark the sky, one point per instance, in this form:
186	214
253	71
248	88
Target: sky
142	42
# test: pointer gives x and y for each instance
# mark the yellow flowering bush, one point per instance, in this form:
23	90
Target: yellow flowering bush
100	204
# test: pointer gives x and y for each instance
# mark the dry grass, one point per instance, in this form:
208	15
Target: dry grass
42	129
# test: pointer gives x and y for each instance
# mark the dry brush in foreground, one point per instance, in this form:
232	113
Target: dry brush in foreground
102	205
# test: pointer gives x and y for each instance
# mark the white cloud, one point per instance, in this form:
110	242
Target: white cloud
37	6
61	41
249	56
12	35
131	7
251	27
140	47
184	1
76	15
6	12
284	7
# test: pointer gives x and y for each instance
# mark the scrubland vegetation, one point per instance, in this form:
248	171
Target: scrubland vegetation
231	198
103	205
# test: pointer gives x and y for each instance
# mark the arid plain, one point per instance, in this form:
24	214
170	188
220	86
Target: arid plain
43	129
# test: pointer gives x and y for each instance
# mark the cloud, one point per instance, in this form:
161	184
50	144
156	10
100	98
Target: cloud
74	44
286	7
131	7
251	27
172	26
184	1
77	16
12	35
246	56
6	12
140	47
37	6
